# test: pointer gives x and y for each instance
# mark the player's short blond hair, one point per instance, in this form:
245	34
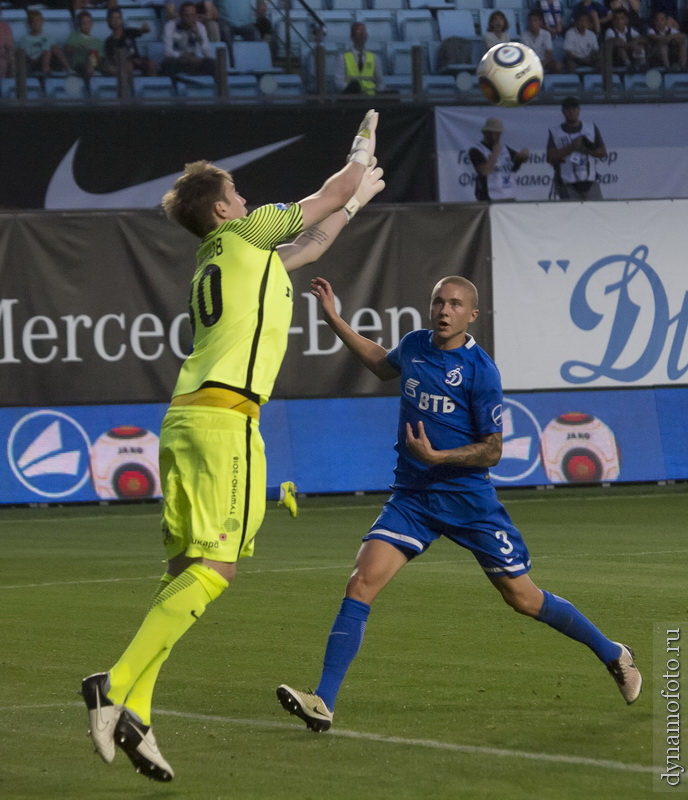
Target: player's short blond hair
190	201
459	281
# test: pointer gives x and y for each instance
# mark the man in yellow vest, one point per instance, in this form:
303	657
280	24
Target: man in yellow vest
358	71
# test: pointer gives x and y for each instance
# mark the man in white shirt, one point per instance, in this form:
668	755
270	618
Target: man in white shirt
580	45
186	45
540	40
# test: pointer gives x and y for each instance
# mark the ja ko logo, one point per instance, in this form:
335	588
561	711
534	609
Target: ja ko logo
48	453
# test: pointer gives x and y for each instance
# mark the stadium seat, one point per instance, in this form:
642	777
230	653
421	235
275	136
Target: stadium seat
252	57
103	87
70	89
430	4
471	91
282	87
16	19
242	87
392	5
136	17
338	25
196	86
299	33
8	89
399	83
635	86
154	50
510	15
456	23
560	86
676	85
400	59
100	27
347	5
416	25
159	88
440	85
57	23
594	86
381	25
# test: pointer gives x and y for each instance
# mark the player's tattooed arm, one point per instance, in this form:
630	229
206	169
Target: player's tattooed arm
312	243
484	453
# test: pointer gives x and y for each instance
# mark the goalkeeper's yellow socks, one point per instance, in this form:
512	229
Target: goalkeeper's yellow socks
175	608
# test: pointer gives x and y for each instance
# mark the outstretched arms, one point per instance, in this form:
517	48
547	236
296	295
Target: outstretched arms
316	240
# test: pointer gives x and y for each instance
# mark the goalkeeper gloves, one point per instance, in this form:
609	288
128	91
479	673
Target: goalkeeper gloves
363	145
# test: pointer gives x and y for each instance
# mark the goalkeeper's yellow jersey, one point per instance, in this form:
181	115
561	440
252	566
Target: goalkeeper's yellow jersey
241	304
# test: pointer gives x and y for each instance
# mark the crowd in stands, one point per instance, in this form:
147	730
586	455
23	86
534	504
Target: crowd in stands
182	38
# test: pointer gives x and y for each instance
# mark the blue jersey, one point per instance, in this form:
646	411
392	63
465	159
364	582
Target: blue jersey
457	394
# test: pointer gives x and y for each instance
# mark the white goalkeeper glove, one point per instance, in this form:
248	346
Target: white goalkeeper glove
370	185
363	147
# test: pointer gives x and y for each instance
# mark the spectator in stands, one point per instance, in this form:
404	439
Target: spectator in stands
497	30
208	15
628	46
42	53
581	48
598	14
85	53
495	164
308	63
540	40
632	8
7	51
667	44
552	15
670	8
121	49
186	45
265	29
239	18
358	71
573	149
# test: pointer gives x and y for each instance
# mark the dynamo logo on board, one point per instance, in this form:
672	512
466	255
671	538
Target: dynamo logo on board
520	443
48	453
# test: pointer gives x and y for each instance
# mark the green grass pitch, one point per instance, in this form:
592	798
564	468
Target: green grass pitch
452	696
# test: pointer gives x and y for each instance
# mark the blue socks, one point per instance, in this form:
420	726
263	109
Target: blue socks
342	645
567	619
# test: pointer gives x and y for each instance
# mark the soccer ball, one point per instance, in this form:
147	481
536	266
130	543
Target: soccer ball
579	448
124	464
510	74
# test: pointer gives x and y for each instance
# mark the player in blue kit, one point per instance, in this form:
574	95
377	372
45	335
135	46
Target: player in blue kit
450	434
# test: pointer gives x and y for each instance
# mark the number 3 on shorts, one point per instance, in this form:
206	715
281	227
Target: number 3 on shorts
508	547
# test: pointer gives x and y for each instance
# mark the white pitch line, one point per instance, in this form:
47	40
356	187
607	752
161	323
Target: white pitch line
431	744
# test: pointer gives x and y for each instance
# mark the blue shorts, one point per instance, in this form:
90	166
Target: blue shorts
412	521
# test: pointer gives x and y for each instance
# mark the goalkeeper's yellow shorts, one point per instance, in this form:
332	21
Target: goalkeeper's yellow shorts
213	478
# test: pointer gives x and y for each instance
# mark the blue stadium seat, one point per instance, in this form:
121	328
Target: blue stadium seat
456	23
594	86
392	5
8	89
636	87
440	85
252	57
399	83
399	58
242	87
561	86
300	30
347	5
381	25
676	85
57	23
136	17
196	86
154	50
282	87
100	27
70	89
159	88
16	19
416	25
103	87
338	25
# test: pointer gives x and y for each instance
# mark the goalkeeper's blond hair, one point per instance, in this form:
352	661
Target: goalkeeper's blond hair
190	201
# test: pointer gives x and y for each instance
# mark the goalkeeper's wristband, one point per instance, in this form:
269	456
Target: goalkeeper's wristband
351	208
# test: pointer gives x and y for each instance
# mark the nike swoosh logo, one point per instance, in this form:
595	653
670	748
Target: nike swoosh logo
418	361
64	192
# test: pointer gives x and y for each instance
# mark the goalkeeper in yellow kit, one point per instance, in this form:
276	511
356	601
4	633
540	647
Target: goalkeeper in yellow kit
212	461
